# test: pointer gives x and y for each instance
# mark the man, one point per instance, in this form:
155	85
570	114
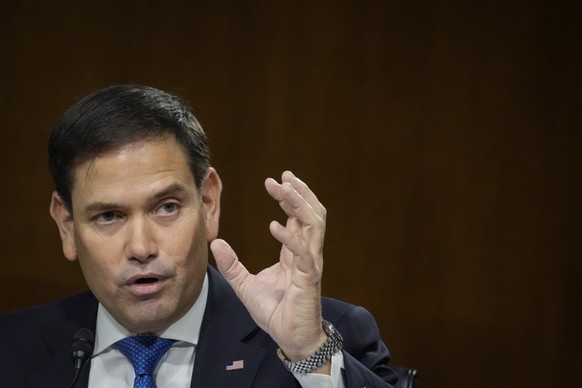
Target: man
138	204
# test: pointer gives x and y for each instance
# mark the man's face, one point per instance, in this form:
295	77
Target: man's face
140	230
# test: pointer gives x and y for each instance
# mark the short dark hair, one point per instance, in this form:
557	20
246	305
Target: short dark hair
116	116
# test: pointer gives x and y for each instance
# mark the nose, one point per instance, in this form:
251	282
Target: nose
141	241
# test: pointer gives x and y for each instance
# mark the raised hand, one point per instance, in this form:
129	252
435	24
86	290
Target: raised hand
284	299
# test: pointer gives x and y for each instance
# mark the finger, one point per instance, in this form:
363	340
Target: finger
305	253
277	191
295	205
292	203
229	265
274	190
304	232
304	190
296	244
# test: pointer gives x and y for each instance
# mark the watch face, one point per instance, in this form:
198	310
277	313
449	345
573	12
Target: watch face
327	327
331	331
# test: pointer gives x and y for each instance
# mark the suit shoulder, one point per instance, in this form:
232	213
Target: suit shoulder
355	323
336	310
49	315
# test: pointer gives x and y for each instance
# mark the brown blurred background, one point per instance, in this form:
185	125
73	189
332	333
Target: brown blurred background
443	138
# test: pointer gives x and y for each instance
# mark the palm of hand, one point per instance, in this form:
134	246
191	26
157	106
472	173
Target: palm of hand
284	299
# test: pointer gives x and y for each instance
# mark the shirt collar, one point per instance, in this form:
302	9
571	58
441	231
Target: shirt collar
186	329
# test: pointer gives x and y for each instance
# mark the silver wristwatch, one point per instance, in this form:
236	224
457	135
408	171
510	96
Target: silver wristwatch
331	346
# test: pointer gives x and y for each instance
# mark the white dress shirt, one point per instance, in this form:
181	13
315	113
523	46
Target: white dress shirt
111	369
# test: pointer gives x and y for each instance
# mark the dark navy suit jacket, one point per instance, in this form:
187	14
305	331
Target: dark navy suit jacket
35	344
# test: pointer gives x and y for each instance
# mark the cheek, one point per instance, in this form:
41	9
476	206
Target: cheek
95	259
192	247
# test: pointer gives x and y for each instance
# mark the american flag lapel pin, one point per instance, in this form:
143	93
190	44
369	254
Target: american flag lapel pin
235	365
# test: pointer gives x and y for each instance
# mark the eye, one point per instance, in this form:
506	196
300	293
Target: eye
106	217
168	208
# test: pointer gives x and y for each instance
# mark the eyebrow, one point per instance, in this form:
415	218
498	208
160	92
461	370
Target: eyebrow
98	207
173	189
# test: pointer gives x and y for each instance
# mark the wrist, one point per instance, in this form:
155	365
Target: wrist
319	361
300	353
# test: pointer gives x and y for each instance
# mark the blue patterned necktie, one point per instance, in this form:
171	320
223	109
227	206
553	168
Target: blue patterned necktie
144	352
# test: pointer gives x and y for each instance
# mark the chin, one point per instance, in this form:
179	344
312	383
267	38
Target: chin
149	320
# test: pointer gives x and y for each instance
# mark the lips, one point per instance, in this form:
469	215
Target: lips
144	285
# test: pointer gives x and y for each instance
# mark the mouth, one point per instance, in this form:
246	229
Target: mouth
146	280
146	285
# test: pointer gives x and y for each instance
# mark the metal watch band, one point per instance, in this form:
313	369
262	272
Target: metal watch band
331	346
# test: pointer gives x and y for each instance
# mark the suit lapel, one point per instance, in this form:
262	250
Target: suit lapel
225	328
55	366
224	335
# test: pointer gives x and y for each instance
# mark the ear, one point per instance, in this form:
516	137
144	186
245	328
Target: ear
64	220
210	196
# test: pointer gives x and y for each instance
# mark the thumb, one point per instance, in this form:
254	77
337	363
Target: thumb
228	264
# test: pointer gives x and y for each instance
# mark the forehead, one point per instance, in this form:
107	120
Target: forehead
133	168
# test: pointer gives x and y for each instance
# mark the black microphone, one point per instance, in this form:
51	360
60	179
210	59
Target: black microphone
81	350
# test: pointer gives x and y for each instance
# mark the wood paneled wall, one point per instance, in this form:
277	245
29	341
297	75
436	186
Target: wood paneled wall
443	138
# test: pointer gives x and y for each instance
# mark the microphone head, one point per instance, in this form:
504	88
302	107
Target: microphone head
82	345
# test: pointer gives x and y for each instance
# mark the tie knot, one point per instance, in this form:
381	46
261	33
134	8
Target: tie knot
144	352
